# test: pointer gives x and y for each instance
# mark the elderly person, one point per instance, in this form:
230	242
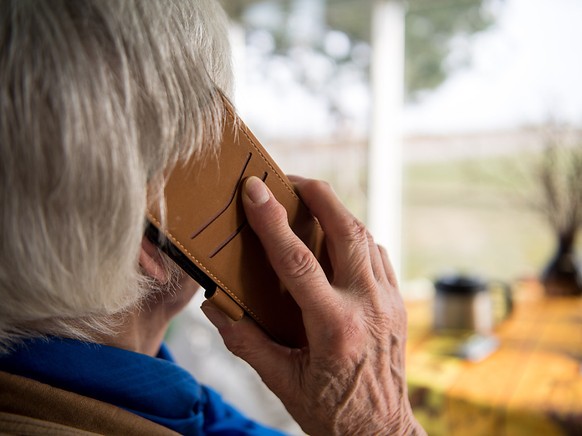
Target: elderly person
99	98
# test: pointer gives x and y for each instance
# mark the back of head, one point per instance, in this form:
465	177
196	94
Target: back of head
98	98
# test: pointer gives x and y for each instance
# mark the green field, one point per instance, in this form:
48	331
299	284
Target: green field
472	216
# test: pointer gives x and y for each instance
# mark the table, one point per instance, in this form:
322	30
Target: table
531	385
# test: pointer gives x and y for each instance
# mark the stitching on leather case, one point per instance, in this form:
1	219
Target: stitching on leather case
216	279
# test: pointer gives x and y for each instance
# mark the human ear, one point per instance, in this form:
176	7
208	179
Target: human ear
151	261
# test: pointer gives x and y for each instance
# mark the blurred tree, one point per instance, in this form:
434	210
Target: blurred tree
431	27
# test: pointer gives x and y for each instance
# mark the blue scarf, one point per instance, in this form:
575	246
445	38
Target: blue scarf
154	388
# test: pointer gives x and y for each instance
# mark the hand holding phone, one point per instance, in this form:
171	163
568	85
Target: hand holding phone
350	379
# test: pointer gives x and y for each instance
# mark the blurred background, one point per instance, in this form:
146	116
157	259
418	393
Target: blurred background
432	119
480	82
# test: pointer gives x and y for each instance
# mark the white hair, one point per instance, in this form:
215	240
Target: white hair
97	99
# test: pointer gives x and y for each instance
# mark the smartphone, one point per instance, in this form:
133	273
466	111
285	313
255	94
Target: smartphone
206	232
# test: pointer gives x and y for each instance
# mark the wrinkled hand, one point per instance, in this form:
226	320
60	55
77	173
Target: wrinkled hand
350	378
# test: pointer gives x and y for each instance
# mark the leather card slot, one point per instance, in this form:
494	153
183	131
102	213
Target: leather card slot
234	233
228	203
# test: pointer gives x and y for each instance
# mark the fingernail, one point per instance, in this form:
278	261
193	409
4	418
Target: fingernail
214	315
256	190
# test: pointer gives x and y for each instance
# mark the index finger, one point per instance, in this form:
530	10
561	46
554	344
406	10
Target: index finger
295	265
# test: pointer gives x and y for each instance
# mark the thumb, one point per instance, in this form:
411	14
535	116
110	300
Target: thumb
245	339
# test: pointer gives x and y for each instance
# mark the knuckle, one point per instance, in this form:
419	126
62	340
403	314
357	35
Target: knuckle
382	324
322	184
356	232
345	337
235	340
313	185
299	262
237	348
241	349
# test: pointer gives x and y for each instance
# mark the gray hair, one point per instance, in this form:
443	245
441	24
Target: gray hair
98	99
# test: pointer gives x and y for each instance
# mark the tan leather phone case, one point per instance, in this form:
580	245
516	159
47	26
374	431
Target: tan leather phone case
208	236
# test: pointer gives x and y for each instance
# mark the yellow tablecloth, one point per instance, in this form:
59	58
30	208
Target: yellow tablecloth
532	384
